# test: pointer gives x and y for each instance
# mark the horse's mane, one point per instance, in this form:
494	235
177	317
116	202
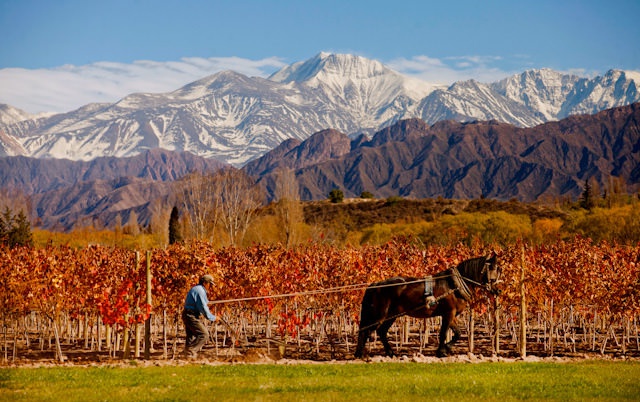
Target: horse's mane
471	268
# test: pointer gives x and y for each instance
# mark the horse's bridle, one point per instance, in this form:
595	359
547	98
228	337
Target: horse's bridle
493	275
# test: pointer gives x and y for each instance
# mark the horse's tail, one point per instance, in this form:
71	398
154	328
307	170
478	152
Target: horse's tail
374	309
367	319
367	308
375	302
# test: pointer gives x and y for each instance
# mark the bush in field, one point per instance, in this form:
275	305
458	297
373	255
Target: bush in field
336	196
546	230
619	224
498	227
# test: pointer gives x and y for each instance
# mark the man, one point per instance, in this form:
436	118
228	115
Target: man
195	305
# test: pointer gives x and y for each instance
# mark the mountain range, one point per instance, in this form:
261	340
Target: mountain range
337	121
235	119
465	160
65	194
409	158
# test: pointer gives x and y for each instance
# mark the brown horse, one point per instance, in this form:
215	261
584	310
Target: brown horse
446	294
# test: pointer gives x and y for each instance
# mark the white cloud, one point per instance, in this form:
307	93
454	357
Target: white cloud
452	69
68	87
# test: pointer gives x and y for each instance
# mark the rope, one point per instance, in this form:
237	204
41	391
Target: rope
307	293
339	289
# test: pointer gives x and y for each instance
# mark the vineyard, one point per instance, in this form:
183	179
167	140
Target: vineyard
59	303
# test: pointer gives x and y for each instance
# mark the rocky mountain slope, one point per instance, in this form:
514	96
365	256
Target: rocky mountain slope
64	194
409	158
468	160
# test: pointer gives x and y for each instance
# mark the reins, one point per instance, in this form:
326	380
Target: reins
338	289
362	286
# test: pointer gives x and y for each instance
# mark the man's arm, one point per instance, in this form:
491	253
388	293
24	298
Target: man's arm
202	304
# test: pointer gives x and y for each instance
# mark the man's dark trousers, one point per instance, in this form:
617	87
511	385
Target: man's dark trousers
197	333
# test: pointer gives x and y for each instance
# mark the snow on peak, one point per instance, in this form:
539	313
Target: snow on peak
324	65
544	90
343	72
10	114
633	75
235	117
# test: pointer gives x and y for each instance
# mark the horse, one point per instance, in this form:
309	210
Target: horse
445	294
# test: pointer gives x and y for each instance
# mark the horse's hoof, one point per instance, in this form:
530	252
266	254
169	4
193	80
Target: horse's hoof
442	353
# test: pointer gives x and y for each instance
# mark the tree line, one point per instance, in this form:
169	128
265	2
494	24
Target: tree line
228	208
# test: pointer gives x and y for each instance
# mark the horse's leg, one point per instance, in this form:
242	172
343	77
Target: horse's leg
363	336
456	334
382	333
443	348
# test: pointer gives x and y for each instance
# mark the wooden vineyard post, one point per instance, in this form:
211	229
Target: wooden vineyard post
523	309
496	325
137	339
126	341
147	323
471	329
137	325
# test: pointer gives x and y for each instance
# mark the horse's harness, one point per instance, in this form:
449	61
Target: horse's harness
459	284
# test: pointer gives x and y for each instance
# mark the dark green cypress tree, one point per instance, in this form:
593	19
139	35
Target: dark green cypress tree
175	235
586	200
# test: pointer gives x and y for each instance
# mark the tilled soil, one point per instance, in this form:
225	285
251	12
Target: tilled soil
275	352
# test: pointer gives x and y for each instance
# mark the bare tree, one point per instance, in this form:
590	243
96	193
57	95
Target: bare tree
132	227
288	207
228	198
199	201
240	198
160	213
117	230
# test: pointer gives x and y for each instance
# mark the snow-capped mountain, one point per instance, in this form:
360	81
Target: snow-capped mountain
615	88
235	118
472	100
10	115
544	91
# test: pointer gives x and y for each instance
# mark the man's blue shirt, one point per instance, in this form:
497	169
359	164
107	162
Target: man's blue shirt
197	301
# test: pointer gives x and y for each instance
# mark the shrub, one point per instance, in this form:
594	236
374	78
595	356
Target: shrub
336	196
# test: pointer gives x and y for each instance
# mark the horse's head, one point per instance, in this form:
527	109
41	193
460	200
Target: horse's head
491	274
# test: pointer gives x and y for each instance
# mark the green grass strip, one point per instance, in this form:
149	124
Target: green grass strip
583	381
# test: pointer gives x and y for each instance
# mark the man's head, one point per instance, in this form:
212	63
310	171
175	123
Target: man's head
206	279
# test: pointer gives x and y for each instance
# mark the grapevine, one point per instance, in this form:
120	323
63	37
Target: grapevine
578	292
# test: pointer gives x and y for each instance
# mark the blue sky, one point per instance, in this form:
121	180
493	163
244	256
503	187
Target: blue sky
57	55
